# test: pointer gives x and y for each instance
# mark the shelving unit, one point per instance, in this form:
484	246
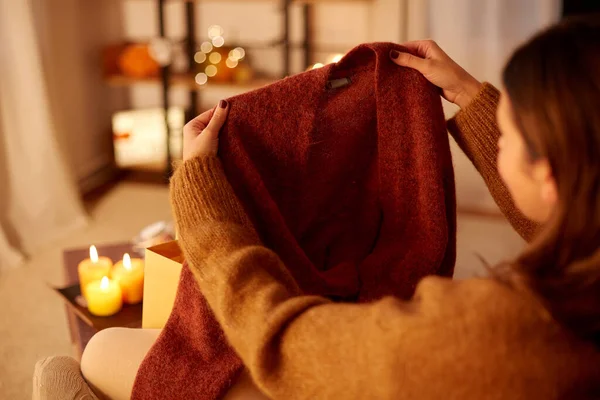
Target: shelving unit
168	80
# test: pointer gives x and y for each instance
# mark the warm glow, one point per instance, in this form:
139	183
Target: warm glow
215	58
199	57
215	31
201	78
231	63
104	283
127	261
123	124
218	41
318	65
211	70
93	254
337	58
206	47
237	54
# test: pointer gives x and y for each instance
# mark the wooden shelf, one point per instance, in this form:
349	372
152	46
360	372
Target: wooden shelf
185	81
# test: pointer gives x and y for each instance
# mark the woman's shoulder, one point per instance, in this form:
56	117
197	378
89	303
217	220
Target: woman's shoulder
487	305
508	317
491	336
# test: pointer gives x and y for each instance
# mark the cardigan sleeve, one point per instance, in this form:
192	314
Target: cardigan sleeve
306	347
476	132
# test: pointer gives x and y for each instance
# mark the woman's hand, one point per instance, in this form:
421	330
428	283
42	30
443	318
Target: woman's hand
201	135
458	86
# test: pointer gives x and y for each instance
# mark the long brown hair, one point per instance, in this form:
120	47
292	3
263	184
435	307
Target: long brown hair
553	82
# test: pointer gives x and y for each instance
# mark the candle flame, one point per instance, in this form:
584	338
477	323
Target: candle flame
93	254
127	261
104	283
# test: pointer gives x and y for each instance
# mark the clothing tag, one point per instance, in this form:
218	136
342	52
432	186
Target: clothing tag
338	83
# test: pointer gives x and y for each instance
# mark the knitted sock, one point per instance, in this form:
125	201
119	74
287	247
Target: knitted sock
60	377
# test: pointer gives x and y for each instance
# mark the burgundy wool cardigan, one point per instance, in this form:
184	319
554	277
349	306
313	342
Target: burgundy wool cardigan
346	173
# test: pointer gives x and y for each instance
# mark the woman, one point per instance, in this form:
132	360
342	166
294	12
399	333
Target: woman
532	330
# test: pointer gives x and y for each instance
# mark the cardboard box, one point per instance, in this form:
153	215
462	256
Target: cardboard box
161	278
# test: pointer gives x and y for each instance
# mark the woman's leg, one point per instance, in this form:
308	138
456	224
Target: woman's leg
112	358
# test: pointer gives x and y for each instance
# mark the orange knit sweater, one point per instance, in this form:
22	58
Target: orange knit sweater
472	339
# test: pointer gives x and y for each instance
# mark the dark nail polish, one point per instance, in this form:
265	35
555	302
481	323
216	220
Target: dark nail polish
223	104
394	54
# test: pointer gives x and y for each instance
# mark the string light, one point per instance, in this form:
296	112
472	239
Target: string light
206	47
337	58
231	63
218	41
199	57
215	58
237	54
211	71
201	78
215	31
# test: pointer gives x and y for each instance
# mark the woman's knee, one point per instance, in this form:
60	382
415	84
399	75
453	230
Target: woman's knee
123	350
92	353
96	357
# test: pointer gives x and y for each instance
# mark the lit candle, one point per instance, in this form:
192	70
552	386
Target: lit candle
104	297
93	269
129	273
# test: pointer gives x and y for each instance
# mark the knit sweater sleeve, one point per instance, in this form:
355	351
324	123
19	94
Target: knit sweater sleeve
476	132
306	347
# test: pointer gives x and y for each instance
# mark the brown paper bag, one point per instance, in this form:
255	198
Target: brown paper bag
161	277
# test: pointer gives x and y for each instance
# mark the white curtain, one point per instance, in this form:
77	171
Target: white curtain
480	35
39	202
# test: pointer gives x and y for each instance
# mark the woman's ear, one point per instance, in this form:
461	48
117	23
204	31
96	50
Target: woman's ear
546	182
550	193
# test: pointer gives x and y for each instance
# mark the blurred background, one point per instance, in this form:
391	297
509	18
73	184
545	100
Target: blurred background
94	94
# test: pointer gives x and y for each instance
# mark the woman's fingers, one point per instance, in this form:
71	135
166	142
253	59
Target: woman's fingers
457	85
410	61
201	135
420	48
423	51
218	119
198	124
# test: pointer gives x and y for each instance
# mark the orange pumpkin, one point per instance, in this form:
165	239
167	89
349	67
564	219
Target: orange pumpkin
136	62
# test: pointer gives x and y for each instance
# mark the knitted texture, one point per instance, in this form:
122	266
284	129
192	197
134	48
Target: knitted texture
350	185
455	340
477	134
59	377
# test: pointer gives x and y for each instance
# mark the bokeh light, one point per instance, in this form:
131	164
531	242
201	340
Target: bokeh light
206	47
199	57
318	65
237	54
211	70
215	31
201	78
231	63
218	41
215	58
337	58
